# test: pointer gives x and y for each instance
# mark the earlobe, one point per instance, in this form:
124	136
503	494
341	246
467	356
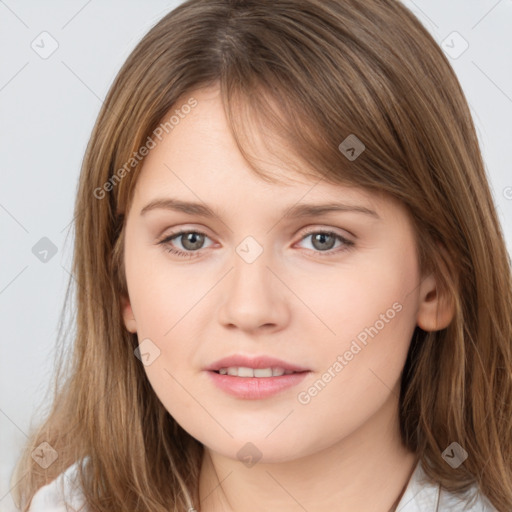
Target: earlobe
436	310
128	317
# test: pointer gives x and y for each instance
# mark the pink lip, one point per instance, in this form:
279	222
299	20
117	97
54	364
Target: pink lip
255	388
254	362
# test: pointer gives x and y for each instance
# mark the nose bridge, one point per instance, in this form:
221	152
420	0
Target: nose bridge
251	298
250	276
252	272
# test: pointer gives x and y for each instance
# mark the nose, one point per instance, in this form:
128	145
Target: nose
253	298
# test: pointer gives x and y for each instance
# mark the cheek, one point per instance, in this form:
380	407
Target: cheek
370	310
162	301
361	372
161	293
376	292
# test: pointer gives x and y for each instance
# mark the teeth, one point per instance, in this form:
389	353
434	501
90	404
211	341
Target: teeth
242	371
262	372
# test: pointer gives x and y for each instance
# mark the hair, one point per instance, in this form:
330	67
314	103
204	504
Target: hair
309	73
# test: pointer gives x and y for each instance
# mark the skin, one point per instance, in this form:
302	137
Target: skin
342	450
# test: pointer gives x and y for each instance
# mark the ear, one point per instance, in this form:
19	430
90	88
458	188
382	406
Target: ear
436	309
128	317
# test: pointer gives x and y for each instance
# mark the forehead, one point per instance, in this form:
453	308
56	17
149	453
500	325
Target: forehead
198	160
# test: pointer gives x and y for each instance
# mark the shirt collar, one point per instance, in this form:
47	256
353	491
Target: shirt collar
421	494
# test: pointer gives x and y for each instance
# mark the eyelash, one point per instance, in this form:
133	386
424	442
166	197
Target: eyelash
348	244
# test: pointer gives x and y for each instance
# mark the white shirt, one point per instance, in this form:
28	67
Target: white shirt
63	495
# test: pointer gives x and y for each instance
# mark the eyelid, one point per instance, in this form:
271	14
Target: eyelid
181	231
188	228
308	230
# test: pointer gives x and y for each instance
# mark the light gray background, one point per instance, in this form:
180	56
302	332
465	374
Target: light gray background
48	108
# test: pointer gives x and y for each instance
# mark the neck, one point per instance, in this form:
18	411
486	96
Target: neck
366	471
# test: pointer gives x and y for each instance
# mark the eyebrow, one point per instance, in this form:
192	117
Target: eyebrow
300	210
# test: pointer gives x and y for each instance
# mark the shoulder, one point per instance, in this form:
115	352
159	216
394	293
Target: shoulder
61	495
423	495
474	501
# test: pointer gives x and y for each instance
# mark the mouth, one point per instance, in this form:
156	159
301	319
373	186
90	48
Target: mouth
240	365
244	371
252	378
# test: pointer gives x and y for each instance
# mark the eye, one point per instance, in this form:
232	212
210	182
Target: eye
191	242
324	241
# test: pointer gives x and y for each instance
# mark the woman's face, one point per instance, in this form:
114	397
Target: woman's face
253	278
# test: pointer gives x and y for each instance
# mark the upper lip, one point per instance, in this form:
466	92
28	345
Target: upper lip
254	362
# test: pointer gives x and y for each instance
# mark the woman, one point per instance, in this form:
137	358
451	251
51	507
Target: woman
285	297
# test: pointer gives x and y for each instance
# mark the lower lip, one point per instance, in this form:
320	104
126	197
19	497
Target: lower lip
255	388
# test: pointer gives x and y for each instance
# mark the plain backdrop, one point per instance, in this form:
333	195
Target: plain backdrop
49	103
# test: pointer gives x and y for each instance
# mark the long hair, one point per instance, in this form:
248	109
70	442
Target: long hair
309	73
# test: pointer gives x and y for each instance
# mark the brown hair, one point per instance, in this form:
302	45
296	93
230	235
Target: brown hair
312	72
